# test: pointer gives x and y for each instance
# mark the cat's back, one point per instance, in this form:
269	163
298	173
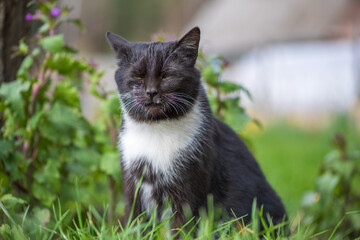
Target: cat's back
231	148
242	176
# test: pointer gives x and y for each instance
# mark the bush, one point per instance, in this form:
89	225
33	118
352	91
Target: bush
334	205
48	149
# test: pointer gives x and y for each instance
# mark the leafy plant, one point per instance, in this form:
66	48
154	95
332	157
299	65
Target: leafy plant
224	96
46	143
335	205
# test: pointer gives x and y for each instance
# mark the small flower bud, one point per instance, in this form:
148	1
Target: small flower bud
28	17
55	12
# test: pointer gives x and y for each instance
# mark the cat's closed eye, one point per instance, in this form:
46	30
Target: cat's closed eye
166	75
137	77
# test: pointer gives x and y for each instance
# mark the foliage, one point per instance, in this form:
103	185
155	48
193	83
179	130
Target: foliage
224	96
335	201
47	146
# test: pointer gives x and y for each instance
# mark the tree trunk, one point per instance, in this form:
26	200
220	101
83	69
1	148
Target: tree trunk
12	28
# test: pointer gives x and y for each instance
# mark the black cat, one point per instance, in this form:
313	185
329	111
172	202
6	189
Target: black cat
168	128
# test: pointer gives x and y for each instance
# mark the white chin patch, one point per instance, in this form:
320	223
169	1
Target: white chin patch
159	143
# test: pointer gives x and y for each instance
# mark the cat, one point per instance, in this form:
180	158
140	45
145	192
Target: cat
171	139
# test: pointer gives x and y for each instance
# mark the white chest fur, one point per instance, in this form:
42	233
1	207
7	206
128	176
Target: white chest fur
159	143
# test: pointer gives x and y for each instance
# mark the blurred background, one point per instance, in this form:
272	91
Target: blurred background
299	59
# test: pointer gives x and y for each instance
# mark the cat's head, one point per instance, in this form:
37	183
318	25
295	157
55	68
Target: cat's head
157	80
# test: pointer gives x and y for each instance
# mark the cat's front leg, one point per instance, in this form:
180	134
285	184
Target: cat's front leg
179	217
178	220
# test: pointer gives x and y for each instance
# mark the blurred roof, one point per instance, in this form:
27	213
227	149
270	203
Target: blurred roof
232	26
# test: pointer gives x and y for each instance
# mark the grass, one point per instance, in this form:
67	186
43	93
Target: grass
289	156
94	226
211	224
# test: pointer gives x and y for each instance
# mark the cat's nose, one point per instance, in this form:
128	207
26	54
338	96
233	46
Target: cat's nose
152	93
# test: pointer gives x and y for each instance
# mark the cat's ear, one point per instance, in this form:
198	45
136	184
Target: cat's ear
188	45
119	45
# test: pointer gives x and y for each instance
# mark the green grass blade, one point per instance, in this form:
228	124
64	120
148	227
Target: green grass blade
335	229
7	213
135	197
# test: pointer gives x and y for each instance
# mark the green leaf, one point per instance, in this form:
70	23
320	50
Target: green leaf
94	79
15	164
70	50
229	87
47	182
210	76
53	44
34	120
49	173
234	115
257	123
23	47
82	65
61	122
45	6
112	105
42	215
11	233
44	28
87	158
213	103
67	94
78	23
35	52
237	119
110	164
5	232
23	71
11	93
4	181
61	62
45	194
6	147
327	182
10	201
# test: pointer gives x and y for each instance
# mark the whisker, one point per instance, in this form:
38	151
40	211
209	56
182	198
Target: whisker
164	113
179	105
180	94
184	102
169	101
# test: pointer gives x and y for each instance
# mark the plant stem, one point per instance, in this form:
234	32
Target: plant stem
112	200
111	210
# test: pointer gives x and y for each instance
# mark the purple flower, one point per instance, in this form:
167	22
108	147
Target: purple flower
28	17
92	63
55	12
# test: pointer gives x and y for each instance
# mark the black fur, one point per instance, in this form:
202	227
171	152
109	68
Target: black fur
157	82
